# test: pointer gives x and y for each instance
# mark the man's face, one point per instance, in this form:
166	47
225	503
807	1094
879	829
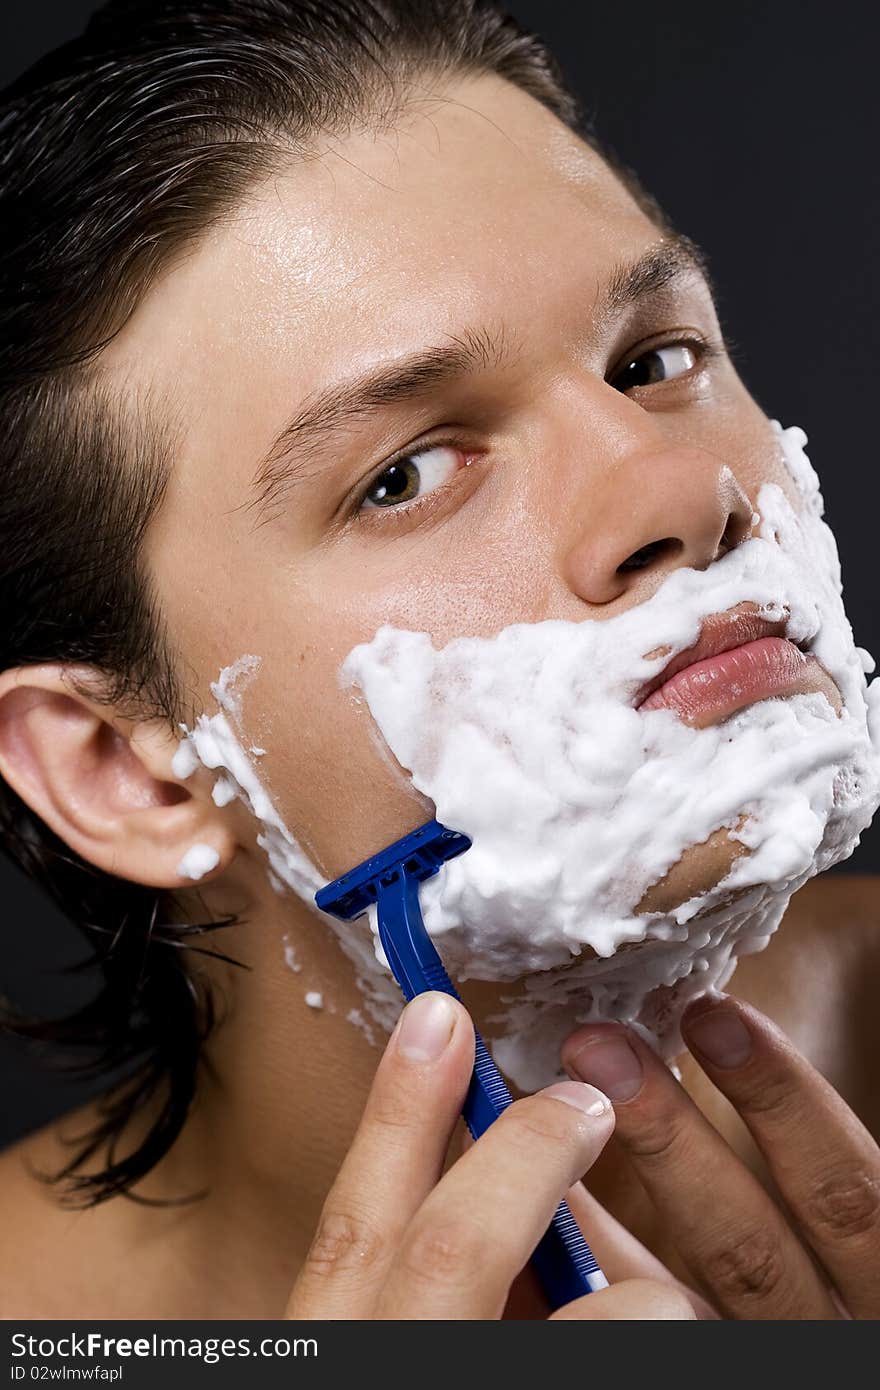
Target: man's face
586	424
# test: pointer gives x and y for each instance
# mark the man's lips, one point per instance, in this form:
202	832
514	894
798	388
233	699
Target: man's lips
738	659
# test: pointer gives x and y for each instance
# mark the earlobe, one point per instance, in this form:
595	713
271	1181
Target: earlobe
105	784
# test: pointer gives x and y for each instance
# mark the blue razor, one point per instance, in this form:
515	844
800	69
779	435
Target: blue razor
562	1260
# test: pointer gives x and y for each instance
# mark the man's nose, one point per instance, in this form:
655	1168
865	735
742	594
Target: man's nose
656	511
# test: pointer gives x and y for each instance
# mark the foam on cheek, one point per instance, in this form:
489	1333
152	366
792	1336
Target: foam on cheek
577	803
216	741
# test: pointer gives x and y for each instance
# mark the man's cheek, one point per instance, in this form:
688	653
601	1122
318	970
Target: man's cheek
659	844
345	797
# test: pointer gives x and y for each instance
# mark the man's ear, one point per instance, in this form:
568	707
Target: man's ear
104	783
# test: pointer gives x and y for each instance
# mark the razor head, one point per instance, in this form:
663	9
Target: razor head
417	856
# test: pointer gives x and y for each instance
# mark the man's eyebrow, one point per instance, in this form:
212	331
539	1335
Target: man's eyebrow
668	260
408	378
332	408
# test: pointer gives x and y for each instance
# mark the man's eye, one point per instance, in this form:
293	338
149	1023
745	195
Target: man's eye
657	364
412	477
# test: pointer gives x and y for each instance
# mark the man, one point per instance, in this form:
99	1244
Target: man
249	243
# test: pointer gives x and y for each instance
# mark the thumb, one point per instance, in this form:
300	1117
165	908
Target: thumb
633	1300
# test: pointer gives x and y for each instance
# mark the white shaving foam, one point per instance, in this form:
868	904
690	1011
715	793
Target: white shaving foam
217	742
314	999
185	759
356	1017
198	861
223	791
290	959
577	803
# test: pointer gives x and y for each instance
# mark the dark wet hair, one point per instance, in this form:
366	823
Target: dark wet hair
116	150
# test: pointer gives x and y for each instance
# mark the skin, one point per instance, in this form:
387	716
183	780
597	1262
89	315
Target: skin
477	207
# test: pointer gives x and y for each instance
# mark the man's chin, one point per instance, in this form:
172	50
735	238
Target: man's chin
700	869
664	959
646	983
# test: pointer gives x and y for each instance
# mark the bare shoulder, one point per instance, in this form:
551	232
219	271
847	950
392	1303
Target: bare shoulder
121	1258
53	1258
33	1226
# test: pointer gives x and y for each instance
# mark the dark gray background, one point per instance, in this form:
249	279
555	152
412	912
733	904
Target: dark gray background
755	125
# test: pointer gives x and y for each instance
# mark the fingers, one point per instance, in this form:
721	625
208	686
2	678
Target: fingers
481	1223
394	1162
638	1300
621	1256
726	1226
824	1161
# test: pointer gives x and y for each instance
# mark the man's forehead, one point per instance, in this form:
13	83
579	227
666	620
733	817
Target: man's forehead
383	240
481	157
327	240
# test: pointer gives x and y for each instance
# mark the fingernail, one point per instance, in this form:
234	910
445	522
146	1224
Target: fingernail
586	1098
426	1027
610	1064
721	1037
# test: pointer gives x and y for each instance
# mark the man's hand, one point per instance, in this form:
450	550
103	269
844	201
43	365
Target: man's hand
399	1239
813	1257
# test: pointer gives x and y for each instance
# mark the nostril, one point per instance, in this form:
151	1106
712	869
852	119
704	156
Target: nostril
647	554
733	534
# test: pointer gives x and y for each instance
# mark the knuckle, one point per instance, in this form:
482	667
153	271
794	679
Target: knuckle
402	1100
539	1117
440	1252
343	1242
845	1204
748	1269
392	1112
658	1139
766	1095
